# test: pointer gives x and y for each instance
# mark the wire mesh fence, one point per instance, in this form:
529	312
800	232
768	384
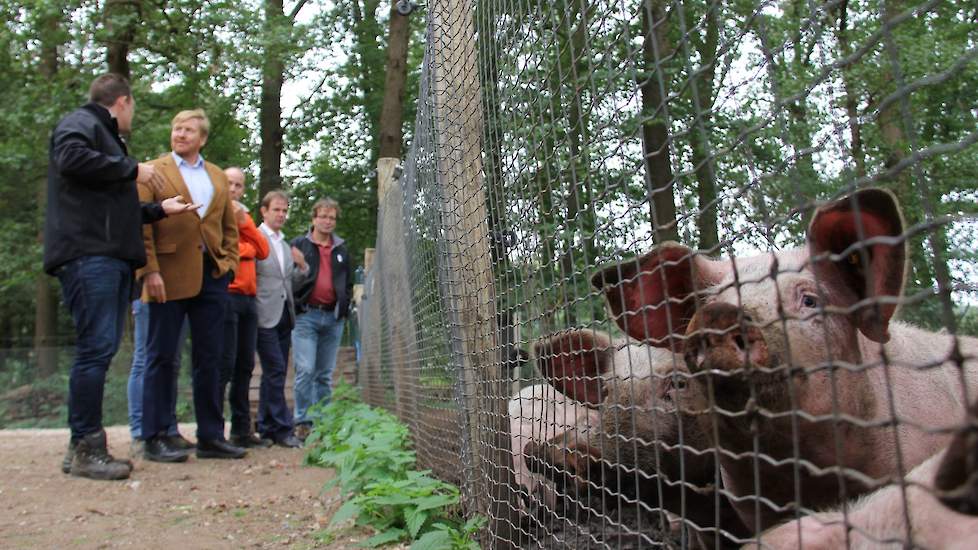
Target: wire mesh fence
693	274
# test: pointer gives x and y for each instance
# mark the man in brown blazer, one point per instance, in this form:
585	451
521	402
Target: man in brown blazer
190	262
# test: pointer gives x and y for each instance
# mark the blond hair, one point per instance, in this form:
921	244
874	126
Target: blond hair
199	114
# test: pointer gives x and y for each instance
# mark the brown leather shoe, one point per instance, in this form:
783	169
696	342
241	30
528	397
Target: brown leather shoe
250	441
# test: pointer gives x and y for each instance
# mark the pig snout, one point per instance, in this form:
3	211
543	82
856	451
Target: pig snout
722	337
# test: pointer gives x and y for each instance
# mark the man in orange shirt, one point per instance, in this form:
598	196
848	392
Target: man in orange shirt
241	318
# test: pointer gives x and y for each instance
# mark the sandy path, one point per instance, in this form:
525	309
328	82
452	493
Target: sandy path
267	499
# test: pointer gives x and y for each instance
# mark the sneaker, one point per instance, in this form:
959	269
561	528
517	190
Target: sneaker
302	431
137	449
92	459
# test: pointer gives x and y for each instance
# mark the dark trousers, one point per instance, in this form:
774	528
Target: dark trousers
240	339
206	314
274	416
96	292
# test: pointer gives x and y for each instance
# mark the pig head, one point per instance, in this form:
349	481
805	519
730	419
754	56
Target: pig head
814	392
647	446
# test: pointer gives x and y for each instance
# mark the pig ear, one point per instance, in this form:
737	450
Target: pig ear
835	229
574	361
652	297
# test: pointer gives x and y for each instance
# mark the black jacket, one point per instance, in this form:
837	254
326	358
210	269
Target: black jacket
342	266
93	208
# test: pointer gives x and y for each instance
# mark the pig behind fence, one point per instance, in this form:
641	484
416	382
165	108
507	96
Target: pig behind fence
636	445
814	394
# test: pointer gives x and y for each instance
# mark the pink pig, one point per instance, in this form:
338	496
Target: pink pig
815	394
540	413
641	445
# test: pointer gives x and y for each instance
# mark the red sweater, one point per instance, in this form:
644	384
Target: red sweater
252	245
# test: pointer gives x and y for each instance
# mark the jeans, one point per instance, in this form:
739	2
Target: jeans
134	390
206	313
274	416
240	334
96	291
315	344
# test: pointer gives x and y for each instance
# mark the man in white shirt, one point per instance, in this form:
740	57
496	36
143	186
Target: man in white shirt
276	317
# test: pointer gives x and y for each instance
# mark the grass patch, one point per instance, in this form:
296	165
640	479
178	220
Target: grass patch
375	471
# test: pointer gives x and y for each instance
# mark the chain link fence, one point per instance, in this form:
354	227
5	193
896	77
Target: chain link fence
662	274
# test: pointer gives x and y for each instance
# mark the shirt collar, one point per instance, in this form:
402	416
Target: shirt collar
270	232
180	162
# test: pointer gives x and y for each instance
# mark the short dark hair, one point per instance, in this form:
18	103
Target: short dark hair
272	195
109	87
326	204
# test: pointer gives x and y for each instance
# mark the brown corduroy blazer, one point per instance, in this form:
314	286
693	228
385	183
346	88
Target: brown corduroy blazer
174	244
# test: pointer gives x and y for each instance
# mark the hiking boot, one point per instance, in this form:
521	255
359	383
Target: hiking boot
93	461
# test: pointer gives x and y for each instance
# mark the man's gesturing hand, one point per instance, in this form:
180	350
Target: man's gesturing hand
147	174
298	258
175	205
154	286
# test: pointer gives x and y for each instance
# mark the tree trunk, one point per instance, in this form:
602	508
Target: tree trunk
270	108
45	297
655	125
852	101
702	155
392	111
121	19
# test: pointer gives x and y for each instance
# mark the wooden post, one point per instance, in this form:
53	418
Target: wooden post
370	338
471	296
396	291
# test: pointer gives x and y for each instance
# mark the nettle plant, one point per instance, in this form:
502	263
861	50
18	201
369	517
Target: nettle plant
375	470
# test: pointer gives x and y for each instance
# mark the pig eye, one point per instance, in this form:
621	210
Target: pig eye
809	300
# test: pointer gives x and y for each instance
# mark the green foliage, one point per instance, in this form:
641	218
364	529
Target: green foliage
370	450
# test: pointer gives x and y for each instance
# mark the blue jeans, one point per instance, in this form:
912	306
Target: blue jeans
96	291
315	344
134	390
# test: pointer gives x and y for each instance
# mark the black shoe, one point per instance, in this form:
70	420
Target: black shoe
179	442
218	448
92	459
289	441
159	449
250	440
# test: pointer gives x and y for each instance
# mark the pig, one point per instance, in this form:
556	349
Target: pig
815	394
957	476
540	413
879	520
644	447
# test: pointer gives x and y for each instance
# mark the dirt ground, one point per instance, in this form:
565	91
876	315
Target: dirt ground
266	500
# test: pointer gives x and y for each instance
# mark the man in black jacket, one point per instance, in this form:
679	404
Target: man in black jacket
322	302
92	243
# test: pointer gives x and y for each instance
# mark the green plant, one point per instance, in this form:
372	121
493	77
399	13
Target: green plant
370	450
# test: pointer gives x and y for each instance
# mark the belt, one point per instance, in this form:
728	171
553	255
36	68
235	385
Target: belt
322	307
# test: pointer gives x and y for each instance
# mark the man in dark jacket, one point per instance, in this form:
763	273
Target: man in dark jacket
92	243
322	302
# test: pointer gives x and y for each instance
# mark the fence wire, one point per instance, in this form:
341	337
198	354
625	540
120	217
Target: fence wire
661	274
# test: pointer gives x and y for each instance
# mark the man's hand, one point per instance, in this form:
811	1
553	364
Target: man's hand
155	287
175	205
147	174
299	259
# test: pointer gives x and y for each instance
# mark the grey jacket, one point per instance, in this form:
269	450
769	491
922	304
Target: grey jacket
274	286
